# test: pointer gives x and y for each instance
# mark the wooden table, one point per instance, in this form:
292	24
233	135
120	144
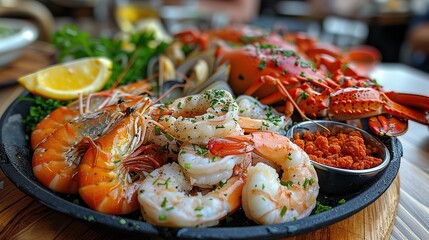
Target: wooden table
22	217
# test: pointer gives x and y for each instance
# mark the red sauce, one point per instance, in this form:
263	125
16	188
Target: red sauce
344	150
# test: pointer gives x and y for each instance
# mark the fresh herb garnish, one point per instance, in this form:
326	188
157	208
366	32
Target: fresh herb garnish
321	208
40	109
73	44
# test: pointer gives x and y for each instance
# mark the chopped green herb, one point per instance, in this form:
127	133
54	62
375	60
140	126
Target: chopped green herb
321	208
283	211
90	218
284	72
39	110
157	130
187	165
168	136
202	151
308	182
199	208
262	64
288	53
304	95
286	183
122	221
342	201
164	202
162	217
305	64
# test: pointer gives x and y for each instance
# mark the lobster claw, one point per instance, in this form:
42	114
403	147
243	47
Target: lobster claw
386	125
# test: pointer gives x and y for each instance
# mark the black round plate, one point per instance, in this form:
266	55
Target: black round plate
15	160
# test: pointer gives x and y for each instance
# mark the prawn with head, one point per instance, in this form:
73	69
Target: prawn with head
85	106
115	164
55	159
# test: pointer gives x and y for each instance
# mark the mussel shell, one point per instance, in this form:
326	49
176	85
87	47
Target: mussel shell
208	56
172	95
220	75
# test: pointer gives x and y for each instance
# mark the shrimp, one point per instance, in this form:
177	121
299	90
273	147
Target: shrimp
55	160
266	199
116	163
167	143
164	199
197	118
255	116
205	169
79	108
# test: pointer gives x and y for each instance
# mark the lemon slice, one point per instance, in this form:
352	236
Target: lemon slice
67	80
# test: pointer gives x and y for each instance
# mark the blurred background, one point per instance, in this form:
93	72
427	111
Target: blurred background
399	29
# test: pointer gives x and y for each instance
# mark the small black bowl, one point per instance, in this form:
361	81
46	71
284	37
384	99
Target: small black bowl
334	180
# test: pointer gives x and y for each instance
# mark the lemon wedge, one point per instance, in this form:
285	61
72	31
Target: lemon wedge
67	80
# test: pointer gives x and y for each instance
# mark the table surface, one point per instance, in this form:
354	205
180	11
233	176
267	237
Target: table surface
412	212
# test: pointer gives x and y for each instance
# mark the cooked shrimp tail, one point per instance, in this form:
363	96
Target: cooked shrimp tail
165	200
266	199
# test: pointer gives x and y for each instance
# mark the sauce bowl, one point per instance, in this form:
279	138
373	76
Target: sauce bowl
333	180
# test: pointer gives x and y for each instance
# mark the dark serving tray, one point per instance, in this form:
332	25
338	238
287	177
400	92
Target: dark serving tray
15	161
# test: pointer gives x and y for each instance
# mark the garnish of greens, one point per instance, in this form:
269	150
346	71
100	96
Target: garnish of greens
74	44
321	208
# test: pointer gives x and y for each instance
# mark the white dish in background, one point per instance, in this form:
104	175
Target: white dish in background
15	35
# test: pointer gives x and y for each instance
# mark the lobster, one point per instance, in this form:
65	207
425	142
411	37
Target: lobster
314	81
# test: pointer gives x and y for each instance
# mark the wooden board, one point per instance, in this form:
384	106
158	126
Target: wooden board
22	217
35	57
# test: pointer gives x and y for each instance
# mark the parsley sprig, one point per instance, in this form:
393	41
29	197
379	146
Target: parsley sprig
73	44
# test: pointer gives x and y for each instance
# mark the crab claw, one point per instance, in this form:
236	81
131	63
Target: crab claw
384	125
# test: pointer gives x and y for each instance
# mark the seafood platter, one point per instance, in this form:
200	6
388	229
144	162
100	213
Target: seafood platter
223	138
